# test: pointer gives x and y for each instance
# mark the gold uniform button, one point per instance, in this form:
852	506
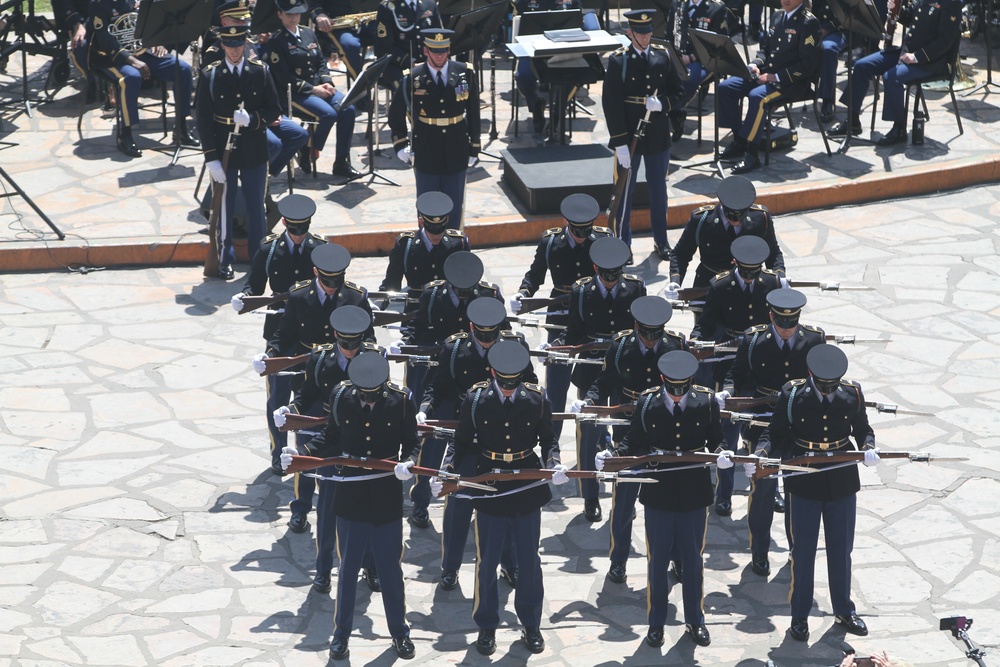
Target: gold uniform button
368	437
507	437
508	450
369	452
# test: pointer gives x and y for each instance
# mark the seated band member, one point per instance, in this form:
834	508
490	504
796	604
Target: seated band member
785	66
833	42
128	64
297	60
930	47
710	15
348	41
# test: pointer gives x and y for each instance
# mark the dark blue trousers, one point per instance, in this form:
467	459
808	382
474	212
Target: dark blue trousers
725	478
452	185
326	116
492	532
252	180
326	527
833	45
666	534
895	75
657	166
696	75
589	437
558	378
838	517
623	497
432	449
130	82
279	393
304	486
731	91
283	141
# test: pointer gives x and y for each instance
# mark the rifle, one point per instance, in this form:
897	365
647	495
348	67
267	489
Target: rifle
563	358
851	339
805	461
616	463
529	304
829	286
413	359
498	475
744	403
402	297
251	303
428	350
703	349
381	318
294	422
275	364
214	259
305	463
621	183
742	418
535	322
436	431
608	410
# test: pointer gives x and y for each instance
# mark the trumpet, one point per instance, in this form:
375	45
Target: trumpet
352	21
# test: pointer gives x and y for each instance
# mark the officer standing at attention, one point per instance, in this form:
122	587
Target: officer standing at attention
369	417
819	414
500	424
599	307
398	33
563	252
630	368
640	79
281	261
769	356
441	99
675	416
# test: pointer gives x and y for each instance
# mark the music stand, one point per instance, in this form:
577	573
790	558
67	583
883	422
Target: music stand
718	55
366	86
860	17
475	29
986	12
675	58
170	23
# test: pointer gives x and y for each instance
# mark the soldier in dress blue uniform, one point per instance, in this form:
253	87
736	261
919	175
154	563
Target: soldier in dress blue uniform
71	19
599	307
463	362
736	301
326	368
563	252
369	417
641	78
630	368
440	98
398	34
819	414
769	356
786	65
281	261
832	42
683	417
930	47
237	92
296	60
105	19
500	424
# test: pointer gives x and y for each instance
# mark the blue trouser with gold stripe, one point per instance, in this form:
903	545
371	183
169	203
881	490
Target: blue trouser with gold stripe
666	534
130	81
492	531
279	393
623	497
326	525
431	449
326	115
838	517
731	91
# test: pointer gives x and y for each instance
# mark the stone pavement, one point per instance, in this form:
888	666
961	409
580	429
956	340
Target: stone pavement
140	525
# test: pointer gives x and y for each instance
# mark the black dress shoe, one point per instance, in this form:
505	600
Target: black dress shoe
322	583
305	159
735	150
750	162
592	509
538	116
675	567
663	252
509	575
343	168
226	271
449	580
339	650
852	624
897	135
617	573
826	112
183	136
677	119
404	647
298	523
371	578
779	504
724	507
840	129
276	469
799	629
420	518
126	144
699	633
532	638
760	566
486	644
654	637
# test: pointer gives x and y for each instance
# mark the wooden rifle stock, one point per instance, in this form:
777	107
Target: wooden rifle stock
744	403
275	364
690	293
608	410
617	463
214	259
848	456
528	474
251	303
382	318
306	463
529	304
294	422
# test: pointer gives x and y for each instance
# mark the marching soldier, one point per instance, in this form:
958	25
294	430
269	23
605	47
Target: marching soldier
683	417
369	417
630	368
769	356
441	99
398	32
500	424
822	413
599	307
281	261
563	252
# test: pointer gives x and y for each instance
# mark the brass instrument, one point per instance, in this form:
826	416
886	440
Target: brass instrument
123	30
352	21
892	19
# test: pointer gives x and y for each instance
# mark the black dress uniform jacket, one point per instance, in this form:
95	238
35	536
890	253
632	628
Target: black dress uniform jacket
730	309
696	428
438	317
791	50
298	61
934	29
707	233
274	263
220	93
410	259
628	370
104	48
803	423
445	121
627	83
306	321
397	32
324	369
388	432
485	426
761	368
710	15
68	13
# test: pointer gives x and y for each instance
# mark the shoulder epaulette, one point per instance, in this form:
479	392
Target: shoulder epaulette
698	387
534	387
632	277
299	285
552	232
269	239
623	334
797	382
408	235
722	276
434	283
253	61
321	239
621	50
706	207
489	285
759	207
675	334
373	347
758	328
354	286
809	327
849	383
481	385
583	281
657	46
768	271
457	336
651	390
513	335
455	232
396	388
211	65
322	347
602	230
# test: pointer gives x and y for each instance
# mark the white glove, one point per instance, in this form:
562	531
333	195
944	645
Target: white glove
241	117
559	476
396	347
237	302
258	362
405	154
576	407
724	462
544	346
472	162
720	398
279	416
515	303
872	458
601	455
436	486
624	159
653	104
750	469
216	171
402	470
421	417
671	291
287	452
